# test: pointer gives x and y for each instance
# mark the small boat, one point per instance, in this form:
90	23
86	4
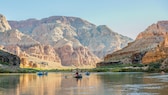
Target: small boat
87	73
78	76
42	73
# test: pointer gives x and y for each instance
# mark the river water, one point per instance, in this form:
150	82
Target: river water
111	83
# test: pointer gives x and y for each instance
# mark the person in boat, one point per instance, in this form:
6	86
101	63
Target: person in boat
87	73
77	73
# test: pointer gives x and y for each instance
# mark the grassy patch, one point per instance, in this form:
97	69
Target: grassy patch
4	63
5	71
27	70
122	65
154	67
123	68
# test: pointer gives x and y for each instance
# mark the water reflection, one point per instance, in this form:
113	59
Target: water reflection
96	84
5	81
8	83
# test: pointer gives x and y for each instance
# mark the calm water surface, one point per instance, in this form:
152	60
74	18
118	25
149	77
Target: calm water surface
118	83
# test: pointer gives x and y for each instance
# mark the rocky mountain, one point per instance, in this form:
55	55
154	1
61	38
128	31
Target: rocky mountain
100	40
27	48
4	26
31	52
37	54
148	46
59	41
158	53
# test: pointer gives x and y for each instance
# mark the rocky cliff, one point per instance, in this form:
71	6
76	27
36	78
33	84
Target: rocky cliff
158	53
31	52
139	50
34	53
9	59
59	40
4	26
55	28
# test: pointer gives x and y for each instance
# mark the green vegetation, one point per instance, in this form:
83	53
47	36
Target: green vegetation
121	68
18	70
152	67
27	70
30	70
3	63
122	65
5	71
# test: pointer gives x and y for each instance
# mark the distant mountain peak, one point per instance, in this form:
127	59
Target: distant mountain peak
158	29
4	26
74	21
74	41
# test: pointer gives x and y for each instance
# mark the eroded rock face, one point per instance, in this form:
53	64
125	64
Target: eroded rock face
69	41
15	37
158	53
158	29
31	52
52	29
164	64
9	58
43	52
144	45
4	26
101	40
74	54
35	56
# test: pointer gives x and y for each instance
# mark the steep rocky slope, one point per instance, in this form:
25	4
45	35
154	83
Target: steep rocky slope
8	62
59	40
137	51
9	59
31	52
100	40
48	32
4	26
34	52
158	53
25	47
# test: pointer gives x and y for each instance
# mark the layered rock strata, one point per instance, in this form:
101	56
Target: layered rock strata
100	40
145	48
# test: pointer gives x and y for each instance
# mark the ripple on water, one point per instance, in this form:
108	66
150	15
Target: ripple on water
135	93
163	78
136	89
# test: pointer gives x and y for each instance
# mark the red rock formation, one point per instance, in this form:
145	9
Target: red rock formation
43	52
144	45
76	56
158	53
46	53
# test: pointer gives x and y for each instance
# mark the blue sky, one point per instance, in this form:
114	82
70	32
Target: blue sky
127	17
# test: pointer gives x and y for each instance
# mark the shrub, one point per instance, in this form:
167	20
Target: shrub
154	67
4	63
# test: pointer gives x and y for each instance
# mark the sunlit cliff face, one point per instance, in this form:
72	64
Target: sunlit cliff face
146	46
4	26
158	53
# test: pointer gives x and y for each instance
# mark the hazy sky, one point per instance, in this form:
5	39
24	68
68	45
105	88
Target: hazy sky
127	17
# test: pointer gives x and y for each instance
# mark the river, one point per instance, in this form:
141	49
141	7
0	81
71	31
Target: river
109	83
